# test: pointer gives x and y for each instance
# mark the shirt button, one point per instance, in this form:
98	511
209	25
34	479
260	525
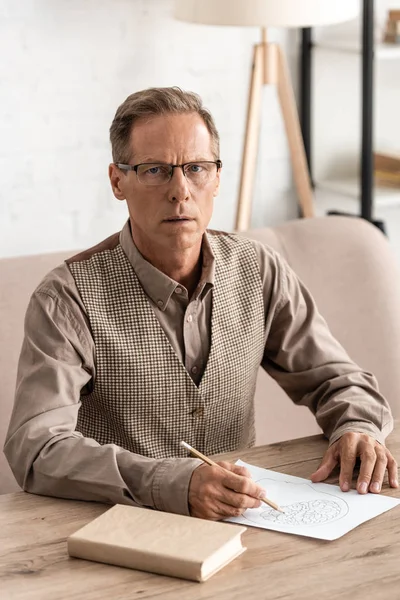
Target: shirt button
178	290
194	369
160	303
189	319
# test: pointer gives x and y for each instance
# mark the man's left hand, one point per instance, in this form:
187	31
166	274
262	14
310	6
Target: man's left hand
375	459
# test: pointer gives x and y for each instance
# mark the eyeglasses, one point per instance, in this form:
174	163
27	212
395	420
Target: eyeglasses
197	173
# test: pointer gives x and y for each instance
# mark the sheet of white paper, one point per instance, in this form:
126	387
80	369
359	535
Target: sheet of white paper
317	510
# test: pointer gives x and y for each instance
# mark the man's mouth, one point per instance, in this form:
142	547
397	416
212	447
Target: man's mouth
177	219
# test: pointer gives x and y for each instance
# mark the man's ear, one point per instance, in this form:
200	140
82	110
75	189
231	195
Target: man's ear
117	180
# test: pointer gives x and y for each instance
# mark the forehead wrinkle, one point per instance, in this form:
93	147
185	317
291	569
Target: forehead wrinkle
185	136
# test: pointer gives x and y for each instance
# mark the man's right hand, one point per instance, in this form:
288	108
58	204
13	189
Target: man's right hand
216	493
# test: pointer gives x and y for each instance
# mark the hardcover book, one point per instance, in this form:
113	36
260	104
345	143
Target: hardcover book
158	542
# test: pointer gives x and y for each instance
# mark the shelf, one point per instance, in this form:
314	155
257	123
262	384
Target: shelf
344	194
382	50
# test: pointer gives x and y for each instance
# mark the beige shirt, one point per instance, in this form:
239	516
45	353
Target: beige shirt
58	364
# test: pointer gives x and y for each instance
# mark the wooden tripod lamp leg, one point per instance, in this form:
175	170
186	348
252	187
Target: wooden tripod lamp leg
301	173
250	148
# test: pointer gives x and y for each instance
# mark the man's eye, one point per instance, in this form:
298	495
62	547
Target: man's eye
195	168
155	170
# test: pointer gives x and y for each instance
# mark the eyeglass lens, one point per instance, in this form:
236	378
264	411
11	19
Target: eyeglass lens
197	173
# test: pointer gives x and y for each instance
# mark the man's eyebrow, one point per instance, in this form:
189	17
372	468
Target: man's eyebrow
150	159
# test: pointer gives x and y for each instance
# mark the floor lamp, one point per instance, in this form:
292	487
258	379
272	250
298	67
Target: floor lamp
269	68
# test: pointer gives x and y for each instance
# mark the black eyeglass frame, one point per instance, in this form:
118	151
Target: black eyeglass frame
124	167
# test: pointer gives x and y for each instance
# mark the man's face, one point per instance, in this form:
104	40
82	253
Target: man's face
172	215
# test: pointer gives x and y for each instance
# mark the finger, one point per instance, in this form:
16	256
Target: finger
392	470
226	465
226	510
205	508
379	470
368	460
242	501
348	451
244	485
239	483
326	467
239	470
215	510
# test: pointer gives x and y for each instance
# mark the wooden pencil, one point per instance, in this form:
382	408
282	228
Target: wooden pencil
210	462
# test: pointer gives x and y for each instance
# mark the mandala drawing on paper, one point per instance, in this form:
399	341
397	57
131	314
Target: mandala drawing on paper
303	506
312	512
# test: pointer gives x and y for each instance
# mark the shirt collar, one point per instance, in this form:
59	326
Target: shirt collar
156	284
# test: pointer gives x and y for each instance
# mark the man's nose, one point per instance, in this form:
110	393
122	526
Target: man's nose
178	186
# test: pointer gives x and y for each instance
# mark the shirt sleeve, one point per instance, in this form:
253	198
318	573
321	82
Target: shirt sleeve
46	453
311	366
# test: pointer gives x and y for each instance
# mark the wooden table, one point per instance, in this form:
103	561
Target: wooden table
364	564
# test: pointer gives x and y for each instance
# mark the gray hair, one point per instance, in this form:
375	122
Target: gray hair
155	102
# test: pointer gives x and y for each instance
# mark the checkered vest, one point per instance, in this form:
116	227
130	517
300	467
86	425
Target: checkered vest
143	398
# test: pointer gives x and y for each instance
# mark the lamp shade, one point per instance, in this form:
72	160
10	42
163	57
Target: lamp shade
267	13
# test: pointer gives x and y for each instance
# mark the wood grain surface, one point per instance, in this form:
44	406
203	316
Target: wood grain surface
362	565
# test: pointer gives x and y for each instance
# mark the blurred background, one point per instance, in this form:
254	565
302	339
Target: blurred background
66	65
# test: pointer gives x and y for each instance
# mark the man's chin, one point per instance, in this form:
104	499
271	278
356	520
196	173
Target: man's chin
183	239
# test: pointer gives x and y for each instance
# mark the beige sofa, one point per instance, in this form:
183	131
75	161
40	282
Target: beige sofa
348	266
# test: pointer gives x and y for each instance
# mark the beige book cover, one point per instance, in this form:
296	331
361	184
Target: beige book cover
158	542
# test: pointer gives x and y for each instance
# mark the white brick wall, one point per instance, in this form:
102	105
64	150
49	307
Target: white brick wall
64	69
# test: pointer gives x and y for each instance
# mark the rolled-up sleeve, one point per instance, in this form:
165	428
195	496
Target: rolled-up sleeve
305	359
46	453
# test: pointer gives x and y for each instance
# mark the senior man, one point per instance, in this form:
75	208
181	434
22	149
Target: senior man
156	335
